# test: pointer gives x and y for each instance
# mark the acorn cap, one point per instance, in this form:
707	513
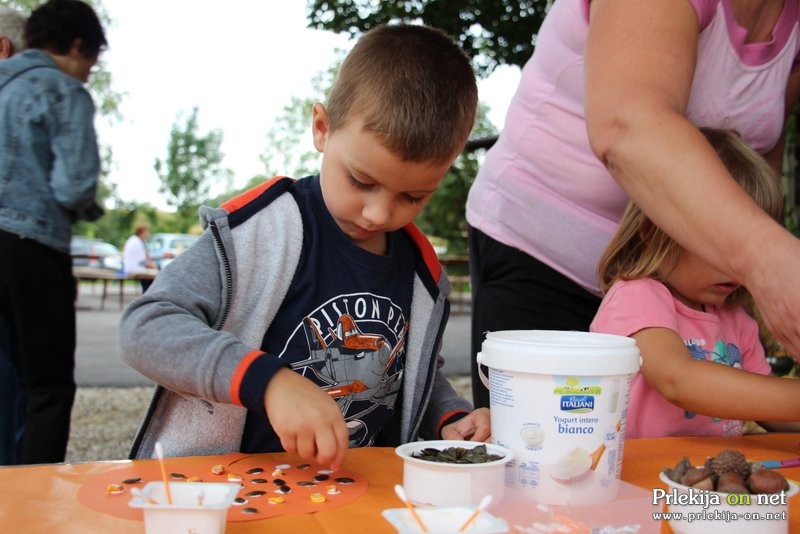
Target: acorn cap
730	461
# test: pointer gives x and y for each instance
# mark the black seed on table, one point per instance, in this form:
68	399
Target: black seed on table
279	482
344	480
132	480
239	500
259	481
306	483
254	493
304	466
320	478
283	489
177	475
255	471
249	510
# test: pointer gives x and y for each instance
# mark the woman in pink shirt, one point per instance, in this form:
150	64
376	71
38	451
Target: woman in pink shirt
607	110
703	367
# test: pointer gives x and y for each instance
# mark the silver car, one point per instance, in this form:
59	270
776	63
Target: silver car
164	248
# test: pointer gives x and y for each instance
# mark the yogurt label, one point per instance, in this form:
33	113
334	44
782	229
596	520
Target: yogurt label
568	431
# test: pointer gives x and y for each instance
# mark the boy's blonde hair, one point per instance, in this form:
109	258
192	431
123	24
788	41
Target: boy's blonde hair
411	85
639	248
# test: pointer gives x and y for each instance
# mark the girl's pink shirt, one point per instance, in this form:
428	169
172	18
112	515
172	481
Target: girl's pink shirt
726	336
542	190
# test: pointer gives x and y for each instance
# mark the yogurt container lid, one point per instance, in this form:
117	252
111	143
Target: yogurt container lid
560	352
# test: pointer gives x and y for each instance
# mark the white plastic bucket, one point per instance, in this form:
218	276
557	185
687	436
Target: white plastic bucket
559	401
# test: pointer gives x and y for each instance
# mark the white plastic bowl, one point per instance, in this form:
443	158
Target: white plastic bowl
713	512
445	484
197	507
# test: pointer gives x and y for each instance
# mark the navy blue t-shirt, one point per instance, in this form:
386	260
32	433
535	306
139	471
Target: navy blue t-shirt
343	323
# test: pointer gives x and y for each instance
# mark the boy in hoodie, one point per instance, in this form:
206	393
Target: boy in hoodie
309	316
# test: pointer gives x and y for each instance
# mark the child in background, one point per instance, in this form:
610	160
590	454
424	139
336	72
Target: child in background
309	315
703	367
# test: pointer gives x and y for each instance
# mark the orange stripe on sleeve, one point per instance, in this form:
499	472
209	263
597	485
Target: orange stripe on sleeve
443	419
238	375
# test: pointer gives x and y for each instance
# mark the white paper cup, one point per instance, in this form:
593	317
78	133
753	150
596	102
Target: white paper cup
197	507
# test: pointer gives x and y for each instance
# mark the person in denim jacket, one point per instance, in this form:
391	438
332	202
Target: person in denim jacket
49	164
12	400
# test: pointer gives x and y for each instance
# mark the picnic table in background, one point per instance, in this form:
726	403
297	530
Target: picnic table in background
107	276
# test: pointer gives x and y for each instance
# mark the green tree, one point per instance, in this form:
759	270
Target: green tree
289	149
191	167
444	216
492	32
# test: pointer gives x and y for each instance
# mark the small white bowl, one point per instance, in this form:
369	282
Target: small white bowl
446	484
197	507
712	513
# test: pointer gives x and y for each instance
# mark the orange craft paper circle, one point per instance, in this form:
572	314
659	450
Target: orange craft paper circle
94	494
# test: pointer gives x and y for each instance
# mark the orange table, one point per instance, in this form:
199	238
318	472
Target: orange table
43	498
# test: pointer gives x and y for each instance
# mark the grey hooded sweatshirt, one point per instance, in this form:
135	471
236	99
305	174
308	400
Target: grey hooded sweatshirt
198	325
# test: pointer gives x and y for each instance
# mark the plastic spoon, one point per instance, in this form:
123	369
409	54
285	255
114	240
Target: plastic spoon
777	464
160	456
485	502
398	489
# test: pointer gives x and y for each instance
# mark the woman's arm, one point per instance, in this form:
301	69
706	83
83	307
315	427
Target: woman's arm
640	59
711	388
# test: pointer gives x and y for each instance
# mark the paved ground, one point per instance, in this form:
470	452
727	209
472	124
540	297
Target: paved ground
98	363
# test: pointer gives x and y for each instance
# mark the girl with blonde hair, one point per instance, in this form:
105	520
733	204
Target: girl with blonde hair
703	367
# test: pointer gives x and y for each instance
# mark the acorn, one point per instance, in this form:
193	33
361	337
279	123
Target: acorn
698	478
676	473
730	461
731	482
766	481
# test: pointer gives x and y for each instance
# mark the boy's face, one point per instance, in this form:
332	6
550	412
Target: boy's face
368	189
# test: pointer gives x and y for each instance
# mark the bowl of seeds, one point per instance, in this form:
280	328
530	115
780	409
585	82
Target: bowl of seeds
452	472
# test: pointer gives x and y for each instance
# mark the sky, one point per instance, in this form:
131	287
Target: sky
238	61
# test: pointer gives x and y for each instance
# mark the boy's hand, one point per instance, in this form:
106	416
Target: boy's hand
474	427
306	419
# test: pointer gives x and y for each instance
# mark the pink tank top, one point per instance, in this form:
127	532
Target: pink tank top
542	190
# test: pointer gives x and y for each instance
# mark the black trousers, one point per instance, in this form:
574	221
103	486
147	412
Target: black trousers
513	291
37	300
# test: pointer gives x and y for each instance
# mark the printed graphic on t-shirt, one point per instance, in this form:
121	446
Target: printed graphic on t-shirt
356	347
726	354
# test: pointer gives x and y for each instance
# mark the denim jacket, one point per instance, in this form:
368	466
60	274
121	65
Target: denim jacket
49	161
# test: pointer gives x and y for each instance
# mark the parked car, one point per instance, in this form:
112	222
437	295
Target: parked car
88	252
164	248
